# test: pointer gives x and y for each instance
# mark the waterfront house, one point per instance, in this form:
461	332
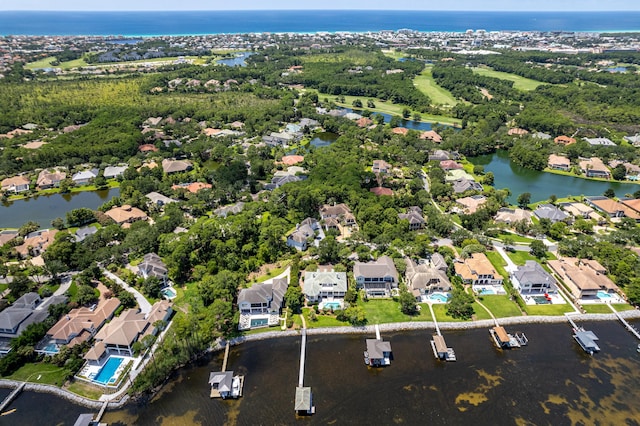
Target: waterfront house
532	279
582	211
260	304
594	167
126	215
447	165
84	232
584	277
78	326
631	203
35	243
431	135
275	139
464	185
612	208
478	271
381	166
153	266
425	278
118	336
7	235
15	184
458	174
364	122
325	284
559	162
299	238
377	278
414	217
378	352
403	131
471	204
551	212
85	177
511	216
599	142
111	172
175	166
50	178
225	385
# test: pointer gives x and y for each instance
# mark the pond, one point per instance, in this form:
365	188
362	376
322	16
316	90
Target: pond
44	208
323	139
409	124
237	60
541	184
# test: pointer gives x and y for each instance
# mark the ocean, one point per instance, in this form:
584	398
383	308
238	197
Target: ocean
237	22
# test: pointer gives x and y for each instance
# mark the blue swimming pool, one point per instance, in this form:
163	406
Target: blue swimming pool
487	291
259	322
603	295
332	305
107	373
51	348
439	297
169	293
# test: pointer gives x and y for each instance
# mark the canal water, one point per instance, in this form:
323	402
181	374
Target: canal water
540	184
44	208
551	381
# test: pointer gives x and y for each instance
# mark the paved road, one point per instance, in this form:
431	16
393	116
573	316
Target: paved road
145	306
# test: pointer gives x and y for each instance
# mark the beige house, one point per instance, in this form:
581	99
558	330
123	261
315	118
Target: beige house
15	184
559	162
594	167
50	178
477	270
510	216
584	277
35	243
125	215
471	204
175	166
425	278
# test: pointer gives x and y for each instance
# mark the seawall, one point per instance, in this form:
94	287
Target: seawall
62	393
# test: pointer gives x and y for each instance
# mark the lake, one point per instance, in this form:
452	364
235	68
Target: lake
409	124
551	381
237	60
44	208
540	184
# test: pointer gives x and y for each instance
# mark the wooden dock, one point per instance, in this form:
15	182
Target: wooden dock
304	398
226	357
438	345
101	412
624	322
9	399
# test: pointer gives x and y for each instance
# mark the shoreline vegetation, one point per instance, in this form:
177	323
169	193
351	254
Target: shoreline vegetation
341	330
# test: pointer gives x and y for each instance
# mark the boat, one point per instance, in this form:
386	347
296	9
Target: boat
366	358
638	348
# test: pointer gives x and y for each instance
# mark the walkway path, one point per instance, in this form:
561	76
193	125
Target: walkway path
483	307
143	303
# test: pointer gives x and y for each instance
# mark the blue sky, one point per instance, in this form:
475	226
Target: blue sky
512	5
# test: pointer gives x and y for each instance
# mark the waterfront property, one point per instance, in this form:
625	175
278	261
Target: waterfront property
440	349
85	177
584	277
511	216
50	178
225	385
378	353
378	278
531	279
551	212
15	184
478	271
260	304
582	211
325	286
424	280
126	215
594	167
35	243
612	208
20	314
559	162
504	340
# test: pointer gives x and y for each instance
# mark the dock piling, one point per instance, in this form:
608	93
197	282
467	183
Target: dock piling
11	396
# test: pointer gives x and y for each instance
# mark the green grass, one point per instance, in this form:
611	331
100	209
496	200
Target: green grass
604	309
381	311
440	310
322	320
519	83
49	374
550	310
498	262
427	85
85	389
389	108
501	306
73	290
516	238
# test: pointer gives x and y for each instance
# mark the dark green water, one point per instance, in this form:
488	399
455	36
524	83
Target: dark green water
43	209
550	382
540	184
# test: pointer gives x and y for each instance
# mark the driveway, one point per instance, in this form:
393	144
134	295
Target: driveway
511	267
145	306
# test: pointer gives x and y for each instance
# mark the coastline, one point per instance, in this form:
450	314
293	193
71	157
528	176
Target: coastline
368	329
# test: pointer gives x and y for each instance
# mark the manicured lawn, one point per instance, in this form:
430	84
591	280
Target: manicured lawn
386	311
520	257
519	83
272	273
85	389
604	309
550	310
388	108
49	373
427	85
323	321
441	313
516	238
498	262
501	306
